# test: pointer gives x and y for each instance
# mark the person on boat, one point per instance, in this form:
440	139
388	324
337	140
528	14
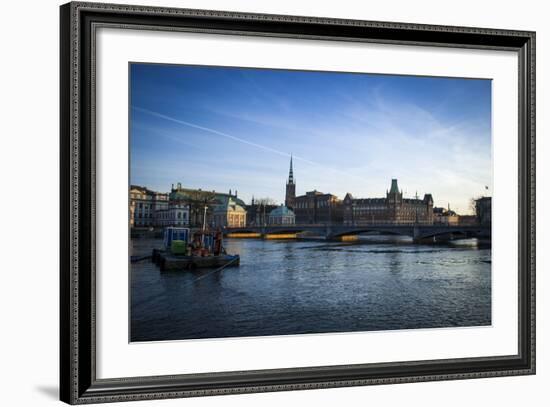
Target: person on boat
196	245
218	243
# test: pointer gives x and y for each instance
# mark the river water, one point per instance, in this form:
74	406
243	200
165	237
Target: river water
298	287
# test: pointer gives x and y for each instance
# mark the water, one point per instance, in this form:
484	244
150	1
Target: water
299	287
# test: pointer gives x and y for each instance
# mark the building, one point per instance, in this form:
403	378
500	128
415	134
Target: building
229	211
444	216
144	204
176	214
290	194
393	209
281	216
467	220
316	207
257	213
185	207
216	208
483	210
195	201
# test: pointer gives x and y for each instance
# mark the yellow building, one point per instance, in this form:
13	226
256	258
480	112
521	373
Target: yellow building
229	212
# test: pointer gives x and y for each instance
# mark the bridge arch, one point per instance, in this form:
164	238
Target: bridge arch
453	232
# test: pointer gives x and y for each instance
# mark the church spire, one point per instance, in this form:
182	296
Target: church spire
290	195
290	172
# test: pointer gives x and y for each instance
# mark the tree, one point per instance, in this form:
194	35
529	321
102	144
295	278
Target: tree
265	201
197	200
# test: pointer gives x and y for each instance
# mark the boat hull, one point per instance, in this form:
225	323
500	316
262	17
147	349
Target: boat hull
171	262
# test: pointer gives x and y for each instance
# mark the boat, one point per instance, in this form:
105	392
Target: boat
184	250
171	262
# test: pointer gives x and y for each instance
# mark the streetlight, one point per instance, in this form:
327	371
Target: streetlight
203	225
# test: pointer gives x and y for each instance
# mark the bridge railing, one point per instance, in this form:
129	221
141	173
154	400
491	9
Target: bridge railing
381	224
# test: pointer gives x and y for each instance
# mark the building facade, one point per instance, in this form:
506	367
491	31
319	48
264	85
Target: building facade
317	208
176	214
144	205
393	209
444	216
257	213
467	220
185	207
483	210
228	212
216	208
281	216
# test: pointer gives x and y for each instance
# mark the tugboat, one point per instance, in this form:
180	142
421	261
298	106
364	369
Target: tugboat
184	250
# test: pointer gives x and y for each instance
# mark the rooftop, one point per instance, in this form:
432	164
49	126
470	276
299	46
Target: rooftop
281	211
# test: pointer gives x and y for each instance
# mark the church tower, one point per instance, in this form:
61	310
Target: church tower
290	188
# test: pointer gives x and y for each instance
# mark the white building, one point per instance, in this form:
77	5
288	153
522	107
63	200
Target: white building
144	204
176	214
282	216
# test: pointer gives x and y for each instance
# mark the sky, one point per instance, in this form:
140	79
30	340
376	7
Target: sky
222	128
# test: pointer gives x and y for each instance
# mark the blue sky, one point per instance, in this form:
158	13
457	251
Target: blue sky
233	128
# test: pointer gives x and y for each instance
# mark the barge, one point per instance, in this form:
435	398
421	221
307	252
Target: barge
186	251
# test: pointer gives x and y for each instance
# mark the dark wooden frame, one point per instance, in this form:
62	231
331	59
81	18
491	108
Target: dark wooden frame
78	382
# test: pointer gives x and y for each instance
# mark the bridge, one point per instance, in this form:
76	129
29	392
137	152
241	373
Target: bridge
419	232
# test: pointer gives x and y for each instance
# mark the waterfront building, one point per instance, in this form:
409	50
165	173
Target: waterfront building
290	193
175	214
393	209
281	215
467	220
185	207
217	208
317	207
483	210
257	213
144	203
229	211
445	216
220	203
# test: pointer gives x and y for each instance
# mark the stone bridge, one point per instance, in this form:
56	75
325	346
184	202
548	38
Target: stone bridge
418	232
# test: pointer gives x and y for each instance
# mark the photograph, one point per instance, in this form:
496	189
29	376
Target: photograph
268	202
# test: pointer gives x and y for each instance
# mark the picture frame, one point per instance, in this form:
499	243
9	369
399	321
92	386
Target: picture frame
79	383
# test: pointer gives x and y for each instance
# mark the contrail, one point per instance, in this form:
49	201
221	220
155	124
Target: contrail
250	143
219	133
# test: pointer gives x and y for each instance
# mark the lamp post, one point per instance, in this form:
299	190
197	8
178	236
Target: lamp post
204	218
203	225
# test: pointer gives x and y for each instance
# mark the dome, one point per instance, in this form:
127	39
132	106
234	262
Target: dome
281	211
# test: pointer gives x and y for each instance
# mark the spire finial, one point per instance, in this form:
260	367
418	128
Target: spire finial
290	172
